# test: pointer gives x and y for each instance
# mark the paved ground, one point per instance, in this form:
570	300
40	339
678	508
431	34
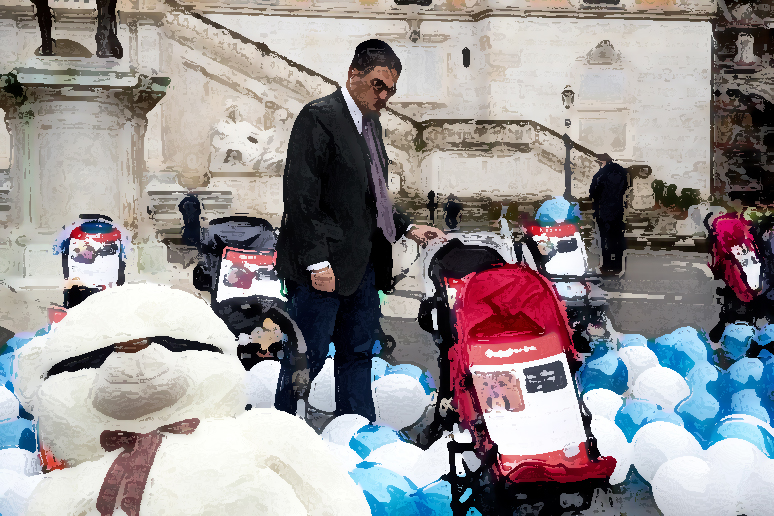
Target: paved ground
660	292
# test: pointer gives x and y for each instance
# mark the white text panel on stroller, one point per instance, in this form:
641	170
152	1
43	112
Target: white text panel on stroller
247	273
560	254
528	387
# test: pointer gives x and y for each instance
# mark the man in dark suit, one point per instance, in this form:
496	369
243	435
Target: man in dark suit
607	191
334	250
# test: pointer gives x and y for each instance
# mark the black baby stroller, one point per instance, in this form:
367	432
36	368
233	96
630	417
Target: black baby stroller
236	266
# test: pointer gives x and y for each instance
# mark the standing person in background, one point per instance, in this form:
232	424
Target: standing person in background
334	250
607	194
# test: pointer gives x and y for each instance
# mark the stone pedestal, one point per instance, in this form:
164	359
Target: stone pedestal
77	143
77	136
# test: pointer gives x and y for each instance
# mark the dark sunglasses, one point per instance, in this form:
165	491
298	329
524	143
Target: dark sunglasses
95	359
379	87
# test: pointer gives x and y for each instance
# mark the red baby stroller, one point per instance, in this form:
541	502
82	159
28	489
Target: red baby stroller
512	371
508	365
737	261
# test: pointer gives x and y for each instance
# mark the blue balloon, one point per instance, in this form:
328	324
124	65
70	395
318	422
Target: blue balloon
553	211
11	346
765	335
690	350
371	437
766	356
434	499
700	410
736	340
744	374
702	375
750	429
387	492
699	413
636	413
604	369
747	402
13	432
767	396
20	339
664	348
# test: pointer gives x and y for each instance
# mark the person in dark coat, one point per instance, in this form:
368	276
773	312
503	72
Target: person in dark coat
607	191
334	250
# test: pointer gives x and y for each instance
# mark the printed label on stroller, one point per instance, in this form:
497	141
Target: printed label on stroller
545	378
94	260
247	273
498	390
750	263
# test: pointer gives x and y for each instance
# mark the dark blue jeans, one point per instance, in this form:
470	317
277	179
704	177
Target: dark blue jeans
351	323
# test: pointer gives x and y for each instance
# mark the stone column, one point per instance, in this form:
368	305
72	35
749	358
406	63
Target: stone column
76	147
77	144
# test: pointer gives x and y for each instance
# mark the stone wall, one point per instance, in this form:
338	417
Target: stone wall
642	88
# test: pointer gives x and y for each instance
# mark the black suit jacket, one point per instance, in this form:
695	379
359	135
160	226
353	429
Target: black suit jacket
330	210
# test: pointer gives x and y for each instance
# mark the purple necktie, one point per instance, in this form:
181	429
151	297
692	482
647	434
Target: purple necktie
379	188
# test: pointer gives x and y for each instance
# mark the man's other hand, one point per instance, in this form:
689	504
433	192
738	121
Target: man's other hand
423	234
324	280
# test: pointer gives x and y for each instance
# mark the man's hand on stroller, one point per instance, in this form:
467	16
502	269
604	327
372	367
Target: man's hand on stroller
423	234
324	280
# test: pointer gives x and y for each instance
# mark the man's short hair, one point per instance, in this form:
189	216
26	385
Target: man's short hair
372	53
604	157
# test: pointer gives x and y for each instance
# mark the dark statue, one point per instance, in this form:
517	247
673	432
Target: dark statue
107	25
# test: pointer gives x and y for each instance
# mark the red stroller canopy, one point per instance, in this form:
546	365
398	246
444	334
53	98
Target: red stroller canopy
732	230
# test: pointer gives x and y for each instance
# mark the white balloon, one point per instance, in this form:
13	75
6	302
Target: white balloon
757	494
659	442
731	463
8	478
261	383
322	393
630	340
433	463
603	403
21	461
15	490
399	400
399	456
9	406
662	386
346	455
612	443
342	429
638	359
681	487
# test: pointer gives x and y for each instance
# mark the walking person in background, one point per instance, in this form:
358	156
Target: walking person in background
334	251
607	194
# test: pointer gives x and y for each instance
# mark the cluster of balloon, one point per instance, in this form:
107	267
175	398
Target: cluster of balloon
396	476
20	464
693	421
17	426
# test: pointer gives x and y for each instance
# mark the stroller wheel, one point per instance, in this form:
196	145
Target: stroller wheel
582	496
